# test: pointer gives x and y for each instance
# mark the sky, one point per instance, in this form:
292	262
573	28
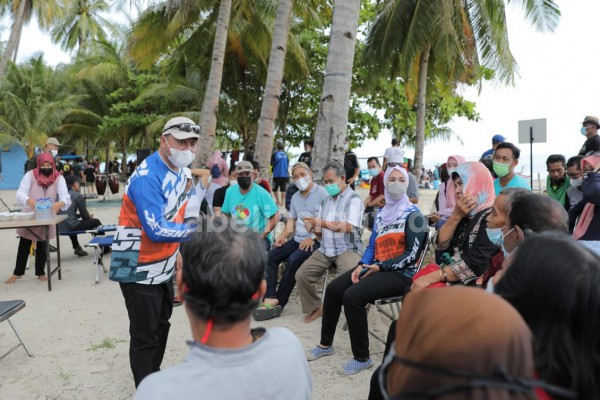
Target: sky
558	80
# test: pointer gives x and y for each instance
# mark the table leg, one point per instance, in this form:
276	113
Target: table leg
58	254
48	265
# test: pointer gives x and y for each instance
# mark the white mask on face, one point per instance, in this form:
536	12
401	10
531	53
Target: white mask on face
54	152
575	182
396	189
181	158
303	183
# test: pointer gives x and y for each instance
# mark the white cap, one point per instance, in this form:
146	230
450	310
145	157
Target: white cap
172	128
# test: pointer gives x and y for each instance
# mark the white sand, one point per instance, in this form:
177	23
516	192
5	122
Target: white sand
78	332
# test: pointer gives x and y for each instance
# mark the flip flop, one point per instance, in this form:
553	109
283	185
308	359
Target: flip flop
266	311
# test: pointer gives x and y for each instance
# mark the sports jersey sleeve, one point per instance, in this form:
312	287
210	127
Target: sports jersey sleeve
369	254
149	201
415	236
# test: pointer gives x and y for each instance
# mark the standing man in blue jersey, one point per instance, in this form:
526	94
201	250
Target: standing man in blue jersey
250	206
146	246
280	164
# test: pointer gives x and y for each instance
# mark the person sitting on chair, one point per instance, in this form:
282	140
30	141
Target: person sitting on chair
76	210
385	270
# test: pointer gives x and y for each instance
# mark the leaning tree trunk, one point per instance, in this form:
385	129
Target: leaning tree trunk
13	39
332	120
270	104
210	105
421	107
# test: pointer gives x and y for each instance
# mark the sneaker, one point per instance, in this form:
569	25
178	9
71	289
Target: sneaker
319	352
80	252
177	301
354	366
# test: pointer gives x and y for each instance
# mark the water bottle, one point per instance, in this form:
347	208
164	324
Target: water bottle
43	209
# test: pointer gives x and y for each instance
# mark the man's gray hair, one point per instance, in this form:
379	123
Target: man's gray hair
337	166
513	194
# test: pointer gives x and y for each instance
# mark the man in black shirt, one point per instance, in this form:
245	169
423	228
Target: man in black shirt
350	165
306	157
589	129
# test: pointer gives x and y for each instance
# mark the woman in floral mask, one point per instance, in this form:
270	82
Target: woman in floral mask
41	182
385	270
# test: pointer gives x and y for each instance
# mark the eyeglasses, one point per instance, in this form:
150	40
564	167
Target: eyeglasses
186	127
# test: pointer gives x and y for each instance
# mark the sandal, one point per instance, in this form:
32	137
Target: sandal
266	311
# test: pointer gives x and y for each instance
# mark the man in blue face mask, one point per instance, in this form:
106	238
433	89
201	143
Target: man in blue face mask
589	129
338	224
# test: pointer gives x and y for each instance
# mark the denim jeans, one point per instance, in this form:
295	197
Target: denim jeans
295	258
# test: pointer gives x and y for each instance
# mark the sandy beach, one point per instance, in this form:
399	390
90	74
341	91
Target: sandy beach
78	332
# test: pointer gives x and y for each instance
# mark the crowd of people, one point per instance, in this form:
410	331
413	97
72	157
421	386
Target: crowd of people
506	305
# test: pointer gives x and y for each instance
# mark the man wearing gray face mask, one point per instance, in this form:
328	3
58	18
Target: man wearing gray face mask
575	191
295	244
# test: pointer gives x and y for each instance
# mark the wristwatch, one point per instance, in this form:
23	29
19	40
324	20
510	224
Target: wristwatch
313	236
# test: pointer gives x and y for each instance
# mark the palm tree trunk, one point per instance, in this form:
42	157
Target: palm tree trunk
270	103
332	120
210	105
15	33
421	108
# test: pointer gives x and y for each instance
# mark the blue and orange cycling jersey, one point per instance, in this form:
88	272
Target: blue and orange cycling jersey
150	224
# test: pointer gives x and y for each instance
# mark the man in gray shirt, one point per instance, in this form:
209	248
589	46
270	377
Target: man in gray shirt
340	225
305	203
222	282
76	210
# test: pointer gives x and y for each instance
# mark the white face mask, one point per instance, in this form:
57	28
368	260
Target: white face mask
181	158
396	190
54	152
575	182
233	183
303	183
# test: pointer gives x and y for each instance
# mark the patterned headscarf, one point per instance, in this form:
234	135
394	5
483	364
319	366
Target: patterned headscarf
477	182
450	188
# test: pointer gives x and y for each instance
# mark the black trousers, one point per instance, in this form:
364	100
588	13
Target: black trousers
355	297
149	308
23	254
83	225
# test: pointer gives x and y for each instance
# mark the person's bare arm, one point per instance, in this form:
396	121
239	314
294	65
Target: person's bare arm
271	224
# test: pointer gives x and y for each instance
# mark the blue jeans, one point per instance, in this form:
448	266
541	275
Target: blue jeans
295	258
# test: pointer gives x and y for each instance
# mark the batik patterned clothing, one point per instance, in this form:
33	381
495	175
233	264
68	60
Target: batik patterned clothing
150	225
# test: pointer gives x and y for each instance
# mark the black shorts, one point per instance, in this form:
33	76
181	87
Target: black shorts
280	183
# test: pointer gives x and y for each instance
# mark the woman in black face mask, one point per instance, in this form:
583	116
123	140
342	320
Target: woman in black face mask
587	230
42	182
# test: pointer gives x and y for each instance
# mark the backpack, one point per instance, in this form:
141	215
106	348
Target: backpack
215	171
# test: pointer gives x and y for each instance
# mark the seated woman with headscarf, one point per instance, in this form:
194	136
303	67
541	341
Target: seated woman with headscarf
385	270
464	236
41	182
446	196
583	217
483	352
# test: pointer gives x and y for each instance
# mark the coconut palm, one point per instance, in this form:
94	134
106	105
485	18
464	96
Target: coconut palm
81	24
444	43
46	12
32	105
332	119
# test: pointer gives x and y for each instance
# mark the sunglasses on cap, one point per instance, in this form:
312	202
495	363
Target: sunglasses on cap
186	127
498	380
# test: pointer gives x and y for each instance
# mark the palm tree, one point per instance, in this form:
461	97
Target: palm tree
270	104
81	23
332	119
46	11
445	43
32	107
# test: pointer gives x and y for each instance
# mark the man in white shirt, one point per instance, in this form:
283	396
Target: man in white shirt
394	152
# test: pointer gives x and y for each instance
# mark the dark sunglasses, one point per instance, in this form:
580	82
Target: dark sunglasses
498	380
186	127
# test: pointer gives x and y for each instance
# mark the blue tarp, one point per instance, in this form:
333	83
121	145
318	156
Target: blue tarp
13	165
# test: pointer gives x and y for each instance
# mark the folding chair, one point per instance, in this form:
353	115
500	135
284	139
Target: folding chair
7	310
99	243
395	302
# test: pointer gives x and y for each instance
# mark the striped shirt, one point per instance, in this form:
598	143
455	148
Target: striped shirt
345	207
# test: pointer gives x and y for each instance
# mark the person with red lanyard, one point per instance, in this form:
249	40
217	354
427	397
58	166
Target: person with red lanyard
222	282
42	182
